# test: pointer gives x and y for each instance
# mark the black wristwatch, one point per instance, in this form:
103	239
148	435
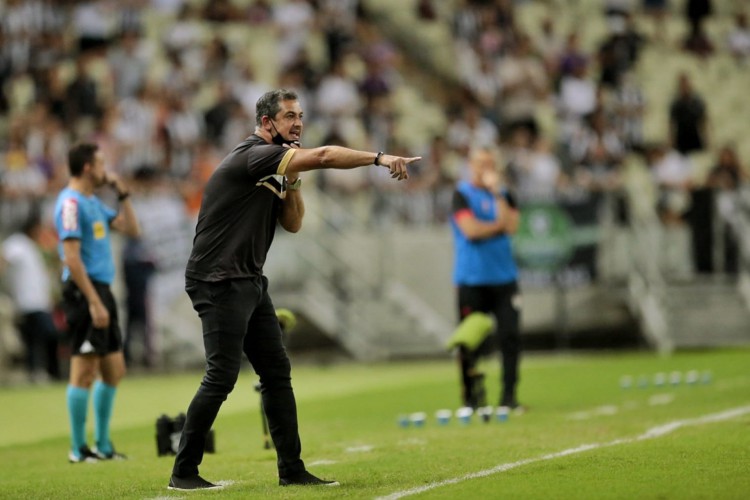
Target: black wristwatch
377	158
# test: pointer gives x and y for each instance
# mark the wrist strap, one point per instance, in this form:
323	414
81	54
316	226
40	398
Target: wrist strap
294	186
377	158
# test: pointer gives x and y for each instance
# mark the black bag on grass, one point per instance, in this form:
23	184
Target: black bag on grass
168	432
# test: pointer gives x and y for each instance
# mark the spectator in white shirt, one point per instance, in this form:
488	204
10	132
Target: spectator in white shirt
28	281
738	39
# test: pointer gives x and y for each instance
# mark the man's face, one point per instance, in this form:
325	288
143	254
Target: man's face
288	121
484	168
482	161
96	170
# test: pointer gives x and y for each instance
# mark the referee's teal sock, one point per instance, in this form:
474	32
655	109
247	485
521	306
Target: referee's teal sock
104	400
78	406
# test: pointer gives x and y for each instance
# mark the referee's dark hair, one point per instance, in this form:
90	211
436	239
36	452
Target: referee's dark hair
268	104
79	155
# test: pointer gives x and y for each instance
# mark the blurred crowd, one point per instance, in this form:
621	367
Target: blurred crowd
598	102
161	85
166	89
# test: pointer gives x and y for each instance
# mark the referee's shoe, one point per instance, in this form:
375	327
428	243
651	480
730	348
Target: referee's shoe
83	455
111	455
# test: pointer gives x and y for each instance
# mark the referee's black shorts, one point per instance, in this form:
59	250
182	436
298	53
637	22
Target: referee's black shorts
84	338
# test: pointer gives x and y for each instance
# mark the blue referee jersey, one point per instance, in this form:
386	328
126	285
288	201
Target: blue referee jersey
86	218
486	261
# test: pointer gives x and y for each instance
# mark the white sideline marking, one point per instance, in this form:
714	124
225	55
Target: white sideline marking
413	442
602	410
360	449
660	399
654	432
609	410
322	462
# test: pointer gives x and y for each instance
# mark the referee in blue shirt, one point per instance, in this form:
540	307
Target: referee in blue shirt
83	225
484	217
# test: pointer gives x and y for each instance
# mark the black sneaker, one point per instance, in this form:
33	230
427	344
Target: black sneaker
304	478
84	454
191	483
112	455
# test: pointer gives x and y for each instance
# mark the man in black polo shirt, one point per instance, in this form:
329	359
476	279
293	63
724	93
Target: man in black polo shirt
255	187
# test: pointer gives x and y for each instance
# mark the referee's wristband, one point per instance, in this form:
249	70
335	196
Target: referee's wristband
123	196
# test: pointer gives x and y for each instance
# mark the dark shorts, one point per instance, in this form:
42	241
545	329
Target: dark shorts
503	302
84	338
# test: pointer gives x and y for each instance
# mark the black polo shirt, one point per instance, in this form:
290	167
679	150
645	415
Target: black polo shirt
239	211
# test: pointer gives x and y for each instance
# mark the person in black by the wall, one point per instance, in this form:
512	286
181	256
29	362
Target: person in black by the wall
688	119
711	215
256	187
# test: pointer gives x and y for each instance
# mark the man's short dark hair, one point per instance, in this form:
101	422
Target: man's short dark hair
269	103
79	155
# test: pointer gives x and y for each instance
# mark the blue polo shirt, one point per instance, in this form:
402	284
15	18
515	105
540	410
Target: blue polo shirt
86	218
486	261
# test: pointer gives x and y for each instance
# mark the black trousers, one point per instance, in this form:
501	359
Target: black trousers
40	337
138	327
238	317
503	301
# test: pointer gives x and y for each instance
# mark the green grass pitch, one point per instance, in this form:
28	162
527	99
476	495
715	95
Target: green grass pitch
584	436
